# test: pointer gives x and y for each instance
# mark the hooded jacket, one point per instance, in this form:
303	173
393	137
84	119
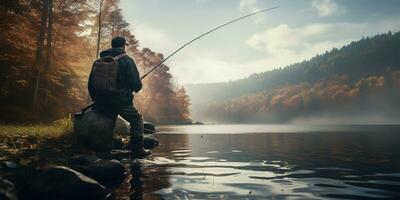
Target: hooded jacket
128	81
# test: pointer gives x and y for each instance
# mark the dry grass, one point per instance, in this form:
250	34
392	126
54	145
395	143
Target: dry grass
56	129
15	139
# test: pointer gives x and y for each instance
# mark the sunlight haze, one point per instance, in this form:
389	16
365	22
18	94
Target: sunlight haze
199	99
296	31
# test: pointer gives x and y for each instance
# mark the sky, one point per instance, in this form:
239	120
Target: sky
296	31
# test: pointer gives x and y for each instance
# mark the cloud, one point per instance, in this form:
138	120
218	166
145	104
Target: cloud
326	8
295	44
202	1
284	40
281	45
153	37
199	65
192	65
249	6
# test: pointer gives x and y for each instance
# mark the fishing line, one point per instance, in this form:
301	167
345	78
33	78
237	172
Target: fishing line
196	38
204	34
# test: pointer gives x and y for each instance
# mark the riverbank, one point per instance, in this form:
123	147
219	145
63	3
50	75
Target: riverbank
47	162
28	143
26	150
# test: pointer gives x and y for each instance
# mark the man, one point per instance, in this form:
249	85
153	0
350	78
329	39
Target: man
127	81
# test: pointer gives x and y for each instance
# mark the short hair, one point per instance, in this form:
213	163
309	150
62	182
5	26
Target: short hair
118	41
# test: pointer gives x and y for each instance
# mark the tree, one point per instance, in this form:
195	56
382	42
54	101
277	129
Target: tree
54	66
49	35
39	51
118	25
102	10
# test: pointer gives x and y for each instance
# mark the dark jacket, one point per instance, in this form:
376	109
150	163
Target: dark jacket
128	81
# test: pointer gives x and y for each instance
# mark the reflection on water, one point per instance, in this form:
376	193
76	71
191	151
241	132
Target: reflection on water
273	128
356	164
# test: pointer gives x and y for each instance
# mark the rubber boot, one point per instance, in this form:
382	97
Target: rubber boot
137	149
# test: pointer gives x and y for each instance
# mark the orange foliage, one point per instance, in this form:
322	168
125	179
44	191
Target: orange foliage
292	100
62	87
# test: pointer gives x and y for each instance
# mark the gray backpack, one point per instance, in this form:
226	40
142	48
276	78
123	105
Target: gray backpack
104	73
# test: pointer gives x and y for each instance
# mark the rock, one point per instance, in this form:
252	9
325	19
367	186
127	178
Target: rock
122	126
83	159
106	172
94	130
8	165
7	190
118	142
149	128
150	143
118	154
62	183
198	123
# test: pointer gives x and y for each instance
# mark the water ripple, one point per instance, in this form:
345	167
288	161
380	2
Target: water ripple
271	166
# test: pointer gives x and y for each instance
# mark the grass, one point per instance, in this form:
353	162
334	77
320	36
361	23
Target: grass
16	139
56	129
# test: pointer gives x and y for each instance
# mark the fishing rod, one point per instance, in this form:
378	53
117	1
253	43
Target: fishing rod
196	38
204	34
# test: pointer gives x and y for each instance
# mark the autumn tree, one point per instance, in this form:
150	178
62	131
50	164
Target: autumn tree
159	101
102	10
40	47
39	67
46	58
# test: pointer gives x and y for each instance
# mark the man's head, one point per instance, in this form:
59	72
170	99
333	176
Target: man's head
118	42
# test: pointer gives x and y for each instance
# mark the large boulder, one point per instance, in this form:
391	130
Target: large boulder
7	190
94	130
62	183
106	172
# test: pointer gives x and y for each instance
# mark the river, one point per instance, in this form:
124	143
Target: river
269	162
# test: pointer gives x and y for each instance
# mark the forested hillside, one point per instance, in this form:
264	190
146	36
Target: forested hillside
360	77
48	47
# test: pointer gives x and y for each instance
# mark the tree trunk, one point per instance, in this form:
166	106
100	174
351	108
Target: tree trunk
99	21
49	35
36	90
39	53
49	41
113	30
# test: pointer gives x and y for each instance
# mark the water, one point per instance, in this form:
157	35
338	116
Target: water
269	162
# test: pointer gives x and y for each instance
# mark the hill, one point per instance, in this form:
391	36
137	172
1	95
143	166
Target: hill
329	84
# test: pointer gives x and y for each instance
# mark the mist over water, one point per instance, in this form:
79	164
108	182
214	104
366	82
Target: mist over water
271	162
356	84
272	128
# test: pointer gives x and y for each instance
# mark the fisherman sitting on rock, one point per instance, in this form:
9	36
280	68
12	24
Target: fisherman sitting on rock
113	79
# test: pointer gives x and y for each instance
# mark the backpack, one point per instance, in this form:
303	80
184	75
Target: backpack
104	74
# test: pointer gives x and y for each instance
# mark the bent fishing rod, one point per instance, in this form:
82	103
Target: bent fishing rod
191	41
202	35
